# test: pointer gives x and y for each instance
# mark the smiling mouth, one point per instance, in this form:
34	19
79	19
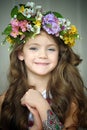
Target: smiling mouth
40	63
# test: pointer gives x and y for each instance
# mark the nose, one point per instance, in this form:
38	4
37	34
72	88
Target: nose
43	54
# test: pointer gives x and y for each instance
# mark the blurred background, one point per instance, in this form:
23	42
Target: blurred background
74	10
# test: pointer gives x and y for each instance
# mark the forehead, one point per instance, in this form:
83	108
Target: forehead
42	38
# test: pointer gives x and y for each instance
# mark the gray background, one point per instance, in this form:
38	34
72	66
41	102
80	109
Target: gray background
74	10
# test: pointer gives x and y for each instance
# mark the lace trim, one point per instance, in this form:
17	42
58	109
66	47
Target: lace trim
52	122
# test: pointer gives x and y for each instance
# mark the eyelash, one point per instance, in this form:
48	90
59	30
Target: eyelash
51	49
32	48
35	48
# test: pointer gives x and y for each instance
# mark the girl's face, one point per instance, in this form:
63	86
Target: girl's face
40	54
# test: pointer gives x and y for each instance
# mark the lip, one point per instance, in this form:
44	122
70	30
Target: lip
41	63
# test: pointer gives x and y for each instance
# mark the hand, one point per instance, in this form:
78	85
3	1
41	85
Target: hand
32	97
37	121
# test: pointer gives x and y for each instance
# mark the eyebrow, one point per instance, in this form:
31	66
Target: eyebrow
33	44
52	45
47	45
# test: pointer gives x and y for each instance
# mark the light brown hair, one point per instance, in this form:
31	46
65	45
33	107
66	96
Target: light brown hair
66	86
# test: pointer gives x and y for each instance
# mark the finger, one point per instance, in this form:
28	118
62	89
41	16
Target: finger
36	116
32	110
22	102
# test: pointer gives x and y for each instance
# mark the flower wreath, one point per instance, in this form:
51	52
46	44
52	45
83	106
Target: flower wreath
28	19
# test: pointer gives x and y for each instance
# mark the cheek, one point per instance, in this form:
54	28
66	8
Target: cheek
55	58
29	59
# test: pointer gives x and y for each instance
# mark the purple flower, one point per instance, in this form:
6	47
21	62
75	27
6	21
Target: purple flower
51	24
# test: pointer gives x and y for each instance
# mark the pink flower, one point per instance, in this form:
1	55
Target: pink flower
23	25
14	22
15	28
14	33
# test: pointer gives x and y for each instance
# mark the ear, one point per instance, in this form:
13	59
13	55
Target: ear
20	55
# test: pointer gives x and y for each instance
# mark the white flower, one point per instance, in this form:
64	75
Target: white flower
38	8
26	13
61	36
30	4
37	29
15	16
29	12
64	22
32	11
30	28
39	16
68	22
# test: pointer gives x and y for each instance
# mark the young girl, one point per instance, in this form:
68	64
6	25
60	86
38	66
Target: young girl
46	91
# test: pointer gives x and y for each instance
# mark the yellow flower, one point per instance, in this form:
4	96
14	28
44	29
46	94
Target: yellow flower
69	40
66	39
8	39
37	23
20	33
73	30
21	10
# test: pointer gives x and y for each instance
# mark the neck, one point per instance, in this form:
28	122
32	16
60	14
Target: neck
40	82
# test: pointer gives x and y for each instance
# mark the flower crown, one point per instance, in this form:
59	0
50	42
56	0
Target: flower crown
27	20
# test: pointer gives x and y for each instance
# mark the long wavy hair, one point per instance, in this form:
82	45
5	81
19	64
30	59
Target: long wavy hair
66	86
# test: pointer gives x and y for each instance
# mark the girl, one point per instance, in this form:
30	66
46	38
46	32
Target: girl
46	91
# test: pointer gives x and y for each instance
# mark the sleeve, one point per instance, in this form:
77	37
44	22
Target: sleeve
52	122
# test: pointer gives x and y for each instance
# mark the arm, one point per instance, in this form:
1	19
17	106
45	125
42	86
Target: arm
71	123
34	99
37	120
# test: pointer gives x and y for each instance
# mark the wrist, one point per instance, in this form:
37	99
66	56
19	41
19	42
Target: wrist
42	107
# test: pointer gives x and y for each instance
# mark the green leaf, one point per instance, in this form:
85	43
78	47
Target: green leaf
47	12
14	11
58	15
7	30
20	16
31	19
